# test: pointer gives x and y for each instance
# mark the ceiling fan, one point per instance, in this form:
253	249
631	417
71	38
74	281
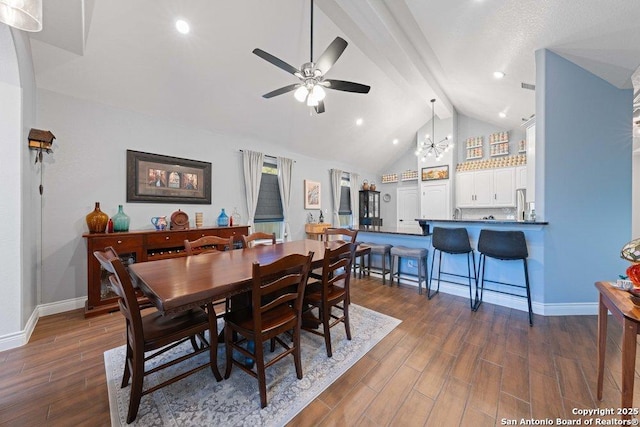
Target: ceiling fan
310	89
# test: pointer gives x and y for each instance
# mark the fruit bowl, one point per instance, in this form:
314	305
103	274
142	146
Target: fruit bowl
634	274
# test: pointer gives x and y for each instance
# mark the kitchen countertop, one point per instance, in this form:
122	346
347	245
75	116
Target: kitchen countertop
486	221
424	223
409	231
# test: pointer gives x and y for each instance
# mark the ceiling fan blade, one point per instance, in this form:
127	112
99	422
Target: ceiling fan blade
320	107
276	61
281	91
331	55
346	86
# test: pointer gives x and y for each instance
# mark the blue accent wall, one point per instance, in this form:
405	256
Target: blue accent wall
584	135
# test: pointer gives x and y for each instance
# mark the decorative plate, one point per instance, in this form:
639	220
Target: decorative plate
179	220
386	197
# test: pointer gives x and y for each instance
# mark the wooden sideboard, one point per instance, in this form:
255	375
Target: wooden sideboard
139	246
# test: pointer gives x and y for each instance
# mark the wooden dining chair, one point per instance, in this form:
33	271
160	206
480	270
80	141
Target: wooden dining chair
155	332
331	292
276	299
340	234
208	244
250	240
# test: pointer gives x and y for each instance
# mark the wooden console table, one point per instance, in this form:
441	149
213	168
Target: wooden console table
316	231
138	246
618	303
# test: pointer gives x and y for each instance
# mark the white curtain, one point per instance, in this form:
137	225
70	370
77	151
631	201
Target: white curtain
252	162
354	187
285	169
336	177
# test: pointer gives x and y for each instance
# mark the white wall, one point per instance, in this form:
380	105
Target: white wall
18	246
90	166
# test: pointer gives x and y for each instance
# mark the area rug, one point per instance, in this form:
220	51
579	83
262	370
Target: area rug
199	400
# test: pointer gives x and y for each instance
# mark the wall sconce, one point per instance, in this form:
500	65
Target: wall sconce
41	140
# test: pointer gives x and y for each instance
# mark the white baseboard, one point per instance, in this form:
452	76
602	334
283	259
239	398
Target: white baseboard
17	339
550	309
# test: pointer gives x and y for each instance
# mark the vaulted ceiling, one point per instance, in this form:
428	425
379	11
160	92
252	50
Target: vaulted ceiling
127	54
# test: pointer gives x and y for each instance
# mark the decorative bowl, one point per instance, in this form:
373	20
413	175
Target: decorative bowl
634	274
635	300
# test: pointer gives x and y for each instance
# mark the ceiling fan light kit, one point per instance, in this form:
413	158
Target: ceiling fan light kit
311	88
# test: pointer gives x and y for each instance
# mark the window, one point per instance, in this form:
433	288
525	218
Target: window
344	210
269	217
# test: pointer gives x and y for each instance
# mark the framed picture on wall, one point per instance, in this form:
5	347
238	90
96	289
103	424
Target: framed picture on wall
155	178
434	173
311	194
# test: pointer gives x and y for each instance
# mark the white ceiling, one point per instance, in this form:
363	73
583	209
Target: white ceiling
127	54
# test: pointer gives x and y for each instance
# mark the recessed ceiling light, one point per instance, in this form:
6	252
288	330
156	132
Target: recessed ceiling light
182	26
498	74
359	122
502	115
395	141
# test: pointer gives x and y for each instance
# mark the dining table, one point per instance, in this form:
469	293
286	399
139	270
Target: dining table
177	284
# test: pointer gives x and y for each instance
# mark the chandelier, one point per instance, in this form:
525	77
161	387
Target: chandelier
24	15
430	148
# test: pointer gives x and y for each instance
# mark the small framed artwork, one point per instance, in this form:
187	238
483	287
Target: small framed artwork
155	178
434	173
311	194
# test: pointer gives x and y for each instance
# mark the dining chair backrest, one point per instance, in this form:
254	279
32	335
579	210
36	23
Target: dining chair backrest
336	267
208	244
341	234
279	284
250	240
123	287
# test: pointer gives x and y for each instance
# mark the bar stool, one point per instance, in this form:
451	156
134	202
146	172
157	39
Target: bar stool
384	250
420	255
452	241
507	246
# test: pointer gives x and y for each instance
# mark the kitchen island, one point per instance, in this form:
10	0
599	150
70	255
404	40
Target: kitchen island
500	271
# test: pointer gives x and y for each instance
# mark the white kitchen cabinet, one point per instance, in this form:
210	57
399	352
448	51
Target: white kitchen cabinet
521	177
486	188
504	187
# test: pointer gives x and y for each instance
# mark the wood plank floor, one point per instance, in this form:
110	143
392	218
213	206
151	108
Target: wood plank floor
443	366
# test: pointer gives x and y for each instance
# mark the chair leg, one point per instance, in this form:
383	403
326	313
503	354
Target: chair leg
137	378
326	319
482	265
127	374
213	341
384	265
347	327
393	258
419	262
471	302
260	370
526	280
296	352
228	339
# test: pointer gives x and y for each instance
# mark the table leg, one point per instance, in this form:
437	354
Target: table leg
213	341
628	361
602	343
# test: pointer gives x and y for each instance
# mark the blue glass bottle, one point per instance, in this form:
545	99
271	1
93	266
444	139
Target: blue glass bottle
223	219
120	221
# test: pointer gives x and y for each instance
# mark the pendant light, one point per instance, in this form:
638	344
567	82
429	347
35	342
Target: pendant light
430	148
24	15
